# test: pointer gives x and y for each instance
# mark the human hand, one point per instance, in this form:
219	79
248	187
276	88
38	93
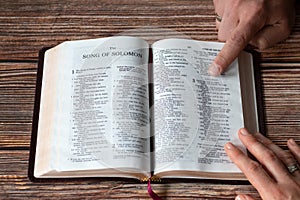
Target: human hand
260	23
270	175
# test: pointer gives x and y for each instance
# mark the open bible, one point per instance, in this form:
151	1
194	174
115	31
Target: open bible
119	107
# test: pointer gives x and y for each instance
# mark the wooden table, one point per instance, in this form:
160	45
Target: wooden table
27	26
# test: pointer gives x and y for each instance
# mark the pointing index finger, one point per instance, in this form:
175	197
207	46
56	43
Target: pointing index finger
237	41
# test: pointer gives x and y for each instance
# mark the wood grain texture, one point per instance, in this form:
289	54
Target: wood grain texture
15	185
281	88
28	25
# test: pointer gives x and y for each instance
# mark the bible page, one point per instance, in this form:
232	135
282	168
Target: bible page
101	106
195	114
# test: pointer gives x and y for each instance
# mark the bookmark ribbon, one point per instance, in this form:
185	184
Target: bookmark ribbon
151	193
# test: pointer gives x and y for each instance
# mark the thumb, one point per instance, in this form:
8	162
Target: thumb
270	35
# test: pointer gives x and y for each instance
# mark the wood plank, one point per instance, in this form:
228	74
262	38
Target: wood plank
42	23
17	89
281	88
15	184
20	188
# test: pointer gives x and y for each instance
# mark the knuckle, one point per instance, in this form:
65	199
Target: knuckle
221	59
269	156
253	167
239	39
287	158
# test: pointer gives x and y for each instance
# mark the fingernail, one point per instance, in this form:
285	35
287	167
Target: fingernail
229	146
214	70
292	142
244	131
